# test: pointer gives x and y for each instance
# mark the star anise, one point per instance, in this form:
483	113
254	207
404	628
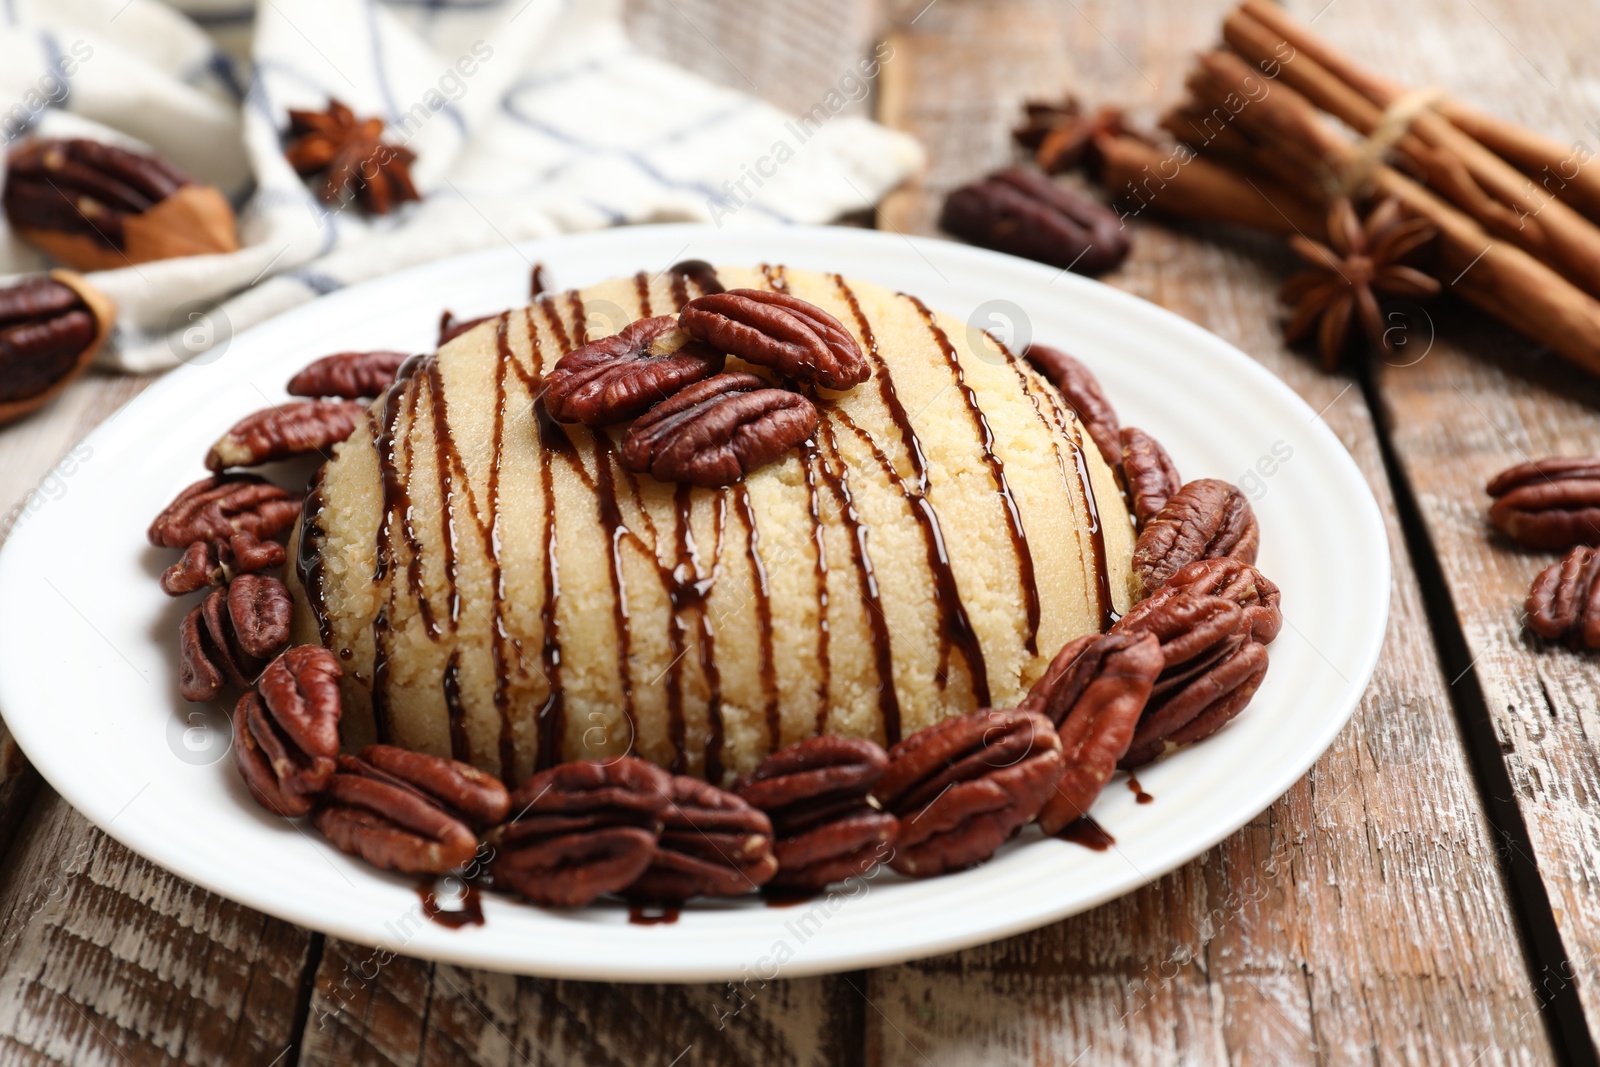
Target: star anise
1343	286
1062	135
353	156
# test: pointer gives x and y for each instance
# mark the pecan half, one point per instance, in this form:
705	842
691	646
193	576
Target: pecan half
622	376
408	811
1206	519
717	431
828	825
51	327
1212	668
1023	213
290	429
1564	603
207	563
1094	691
792	337
712	843
350	375
962	787
1149	473
98	207
1549	503
1225	577
286	730
85	187
218	507
580	830
229	635
1078	385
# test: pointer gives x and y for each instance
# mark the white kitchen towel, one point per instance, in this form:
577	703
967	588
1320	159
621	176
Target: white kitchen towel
528	118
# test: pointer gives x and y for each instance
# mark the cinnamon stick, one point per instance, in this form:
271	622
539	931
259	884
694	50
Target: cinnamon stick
1142	176
1499	277
1476	180
1571	173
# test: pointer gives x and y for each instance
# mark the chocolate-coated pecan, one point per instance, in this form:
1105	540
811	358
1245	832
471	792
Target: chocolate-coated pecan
1149	473
1026	214
1211	668
1082	390
712	844
1549	503
794	338
1564	603
408	811
1228	578
1094	691
622	376
84	187
716	431
350	375
286	730
216	508
229	635
1206	519
47	332
290	429
818	794
215	562
961	787
579	830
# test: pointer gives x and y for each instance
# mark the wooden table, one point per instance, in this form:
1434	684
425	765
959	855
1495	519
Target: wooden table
1427	893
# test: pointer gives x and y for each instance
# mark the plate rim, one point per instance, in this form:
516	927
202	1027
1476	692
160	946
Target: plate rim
468	951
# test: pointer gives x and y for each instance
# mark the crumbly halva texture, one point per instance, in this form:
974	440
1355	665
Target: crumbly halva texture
499	588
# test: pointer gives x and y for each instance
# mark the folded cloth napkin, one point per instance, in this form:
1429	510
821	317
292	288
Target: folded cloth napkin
527	118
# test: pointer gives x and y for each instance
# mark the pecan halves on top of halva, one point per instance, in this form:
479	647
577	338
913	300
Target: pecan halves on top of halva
1548	503
1078	385
348	375
1564	603
716	431
218	507
620	377
289	429
1225	577
1206	519
286	730
790	336
962	787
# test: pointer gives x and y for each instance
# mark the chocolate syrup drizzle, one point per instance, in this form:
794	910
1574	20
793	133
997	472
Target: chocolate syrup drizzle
689	580
997	471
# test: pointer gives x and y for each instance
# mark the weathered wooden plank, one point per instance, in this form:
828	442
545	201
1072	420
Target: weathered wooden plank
374	1009
1364	912
1481	400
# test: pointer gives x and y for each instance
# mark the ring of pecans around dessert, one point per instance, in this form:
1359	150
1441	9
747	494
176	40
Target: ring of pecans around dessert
1175	669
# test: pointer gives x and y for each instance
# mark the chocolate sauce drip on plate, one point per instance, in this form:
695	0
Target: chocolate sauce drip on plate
650	915
455	713
788	898
469	913
703	274
997	470
1088	833
308	557
1139	795
955	628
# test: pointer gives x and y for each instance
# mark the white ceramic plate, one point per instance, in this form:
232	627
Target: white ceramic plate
87	641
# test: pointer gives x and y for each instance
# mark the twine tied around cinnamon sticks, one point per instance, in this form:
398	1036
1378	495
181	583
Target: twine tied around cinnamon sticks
1393	124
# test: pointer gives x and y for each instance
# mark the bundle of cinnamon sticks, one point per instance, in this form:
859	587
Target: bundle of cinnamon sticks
1516	211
